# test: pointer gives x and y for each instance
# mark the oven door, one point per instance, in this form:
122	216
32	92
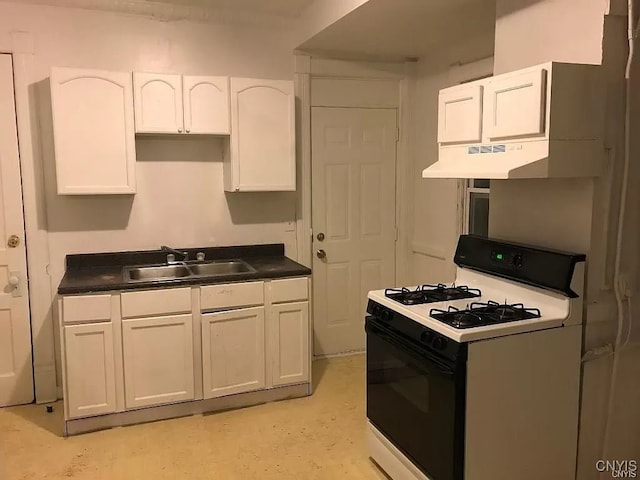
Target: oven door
417	400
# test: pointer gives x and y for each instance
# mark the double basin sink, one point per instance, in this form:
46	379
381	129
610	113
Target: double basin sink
156	273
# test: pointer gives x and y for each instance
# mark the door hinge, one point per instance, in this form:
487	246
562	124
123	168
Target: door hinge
398	134
396	234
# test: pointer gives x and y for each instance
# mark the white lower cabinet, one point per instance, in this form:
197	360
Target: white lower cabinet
158	360
233	351
90	370
136	349
288	340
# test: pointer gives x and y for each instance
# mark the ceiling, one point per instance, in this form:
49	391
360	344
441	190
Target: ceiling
399	29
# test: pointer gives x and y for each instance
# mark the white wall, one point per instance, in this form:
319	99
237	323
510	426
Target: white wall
435	210
180	199
529	32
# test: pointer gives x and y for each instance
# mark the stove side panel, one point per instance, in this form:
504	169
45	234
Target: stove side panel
523	406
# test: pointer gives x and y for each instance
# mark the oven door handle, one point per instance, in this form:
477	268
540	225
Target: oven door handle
374	326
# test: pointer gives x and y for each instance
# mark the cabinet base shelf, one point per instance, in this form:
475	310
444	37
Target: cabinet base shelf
164	412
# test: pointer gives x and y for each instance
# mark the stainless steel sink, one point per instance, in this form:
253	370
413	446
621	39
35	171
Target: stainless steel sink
226	267
163	272
156	273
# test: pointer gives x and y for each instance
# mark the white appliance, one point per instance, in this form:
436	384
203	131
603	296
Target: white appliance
479	380
540	122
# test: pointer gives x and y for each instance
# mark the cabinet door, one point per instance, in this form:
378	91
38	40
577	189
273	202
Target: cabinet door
288	345
262	136
515	105
90	370
233	352
158	101
460	114
93	131
158	360
206	105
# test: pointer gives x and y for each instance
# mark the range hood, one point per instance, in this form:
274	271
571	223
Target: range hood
515	126
538	159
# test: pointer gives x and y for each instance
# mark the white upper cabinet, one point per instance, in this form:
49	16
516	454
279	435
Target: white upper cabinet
515	105
94	134
158	102
174	104
262	156
460	114
206	104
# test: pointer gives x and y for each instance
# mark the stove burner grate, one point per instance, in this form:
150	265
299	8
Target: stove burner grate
481	314
431	293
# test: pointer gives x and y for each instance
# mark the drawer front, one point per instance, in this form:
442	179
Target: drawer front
231	295
86	308
156	302
289	290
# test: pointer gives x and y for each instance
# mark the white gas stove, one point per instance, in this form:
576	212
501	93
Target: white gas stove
478	380
497	309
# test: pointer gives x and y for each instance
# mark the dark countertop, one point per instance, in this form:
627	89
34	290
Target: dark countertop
99	272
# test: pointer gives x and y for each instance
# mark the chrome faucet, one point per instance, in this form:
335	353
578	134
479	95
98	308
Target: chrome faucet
171	257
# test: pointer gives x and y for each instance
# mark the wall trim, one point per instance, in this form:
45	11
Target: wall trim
302	87
328	67
405	182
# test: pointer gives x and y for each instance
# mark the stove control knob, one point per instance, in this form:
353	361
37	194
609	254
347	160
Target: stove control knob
440	343
376	310
427	336
517	260
385	315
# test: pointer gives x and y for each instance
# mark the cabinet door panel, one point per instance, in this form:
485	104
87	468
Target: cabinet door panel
158	360
288	331
158	102
262	135
93	131
233	352
460	114
206	105
90	370
516	105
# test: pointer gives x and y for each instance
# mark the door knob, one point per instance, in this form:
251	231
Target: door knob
13	241
321	254
320	237
14	281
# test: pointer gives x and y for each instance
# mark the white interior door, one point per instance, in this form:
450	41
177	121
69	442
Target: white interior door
353	208
16	367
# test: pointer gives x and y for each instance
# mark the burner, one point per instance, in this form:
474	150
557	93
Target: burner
481	314
466	320
430	294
